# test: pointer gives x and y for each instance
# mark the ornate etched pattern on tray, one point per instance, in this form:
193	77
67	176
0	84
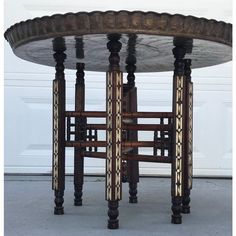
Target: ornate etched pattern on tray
152	35
97	22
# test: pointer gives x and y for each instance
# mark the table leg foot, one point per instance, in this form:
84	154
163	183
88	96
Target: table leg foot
78	196
113	213
133	193
59	200
185	202
176	219
176	209
58	210
186	209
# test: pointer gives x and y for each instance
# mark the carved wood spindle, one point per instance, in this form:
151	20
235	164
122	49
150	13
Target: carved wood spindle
170	132
68	128
132	135
189	139
131	68
114	85
155	139
58	181
95	139
90	137
133	166
162	137
178	134
80	135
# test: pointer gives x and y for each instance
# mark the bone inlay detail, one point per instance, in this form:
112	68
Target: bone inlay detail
179	135
114	131
190	135
55	134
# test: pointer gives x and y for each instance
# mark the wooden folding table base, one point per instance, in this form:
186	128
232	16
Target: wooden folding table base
117	42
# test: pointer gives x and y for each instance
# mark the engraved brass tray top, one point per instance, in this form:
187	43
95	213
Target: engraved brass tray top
148	36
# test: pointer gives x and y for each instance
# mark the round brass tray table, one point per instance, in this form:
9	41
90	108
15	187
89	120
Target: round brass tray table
116	42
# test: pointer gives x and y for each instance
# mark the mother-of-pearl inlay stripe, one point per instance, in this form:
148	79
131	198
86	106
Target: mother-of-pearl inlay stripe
179	136
55	134
118	135
190	135
114	95
109	138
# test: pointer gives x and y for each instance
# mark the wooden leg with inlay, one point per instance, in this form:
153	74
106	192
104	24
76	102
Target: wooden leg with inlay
178	134
133	166
80	135
114	86
189	139
58	173
132	106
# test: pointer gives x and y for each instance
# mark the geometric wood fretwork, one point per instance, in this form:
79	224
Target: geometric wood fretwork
92	136
162	139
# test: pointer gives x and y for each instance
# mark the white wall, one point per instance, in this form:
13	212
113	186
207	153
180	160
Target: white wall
28	94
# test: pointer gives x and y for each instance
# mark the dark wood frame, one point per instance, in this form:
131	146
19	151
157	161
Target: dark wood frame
80	135
59	93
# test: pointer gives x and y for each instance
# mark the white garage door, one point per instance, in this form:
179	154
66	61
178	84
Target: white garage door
28	107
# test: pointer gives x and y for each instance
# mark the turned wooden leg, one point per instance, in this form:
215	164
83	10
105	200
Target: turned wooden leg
80	135
113	213
186	201
176	210
59	200
189	139
133	192
178	135
132	106
133	166
114	85
58	171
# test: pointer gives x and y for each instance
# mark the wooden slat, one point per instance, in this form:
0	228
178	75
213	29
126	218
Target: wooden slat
147	158
86	144
124	144
145	127
125	114
143	158
85	114
147	114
